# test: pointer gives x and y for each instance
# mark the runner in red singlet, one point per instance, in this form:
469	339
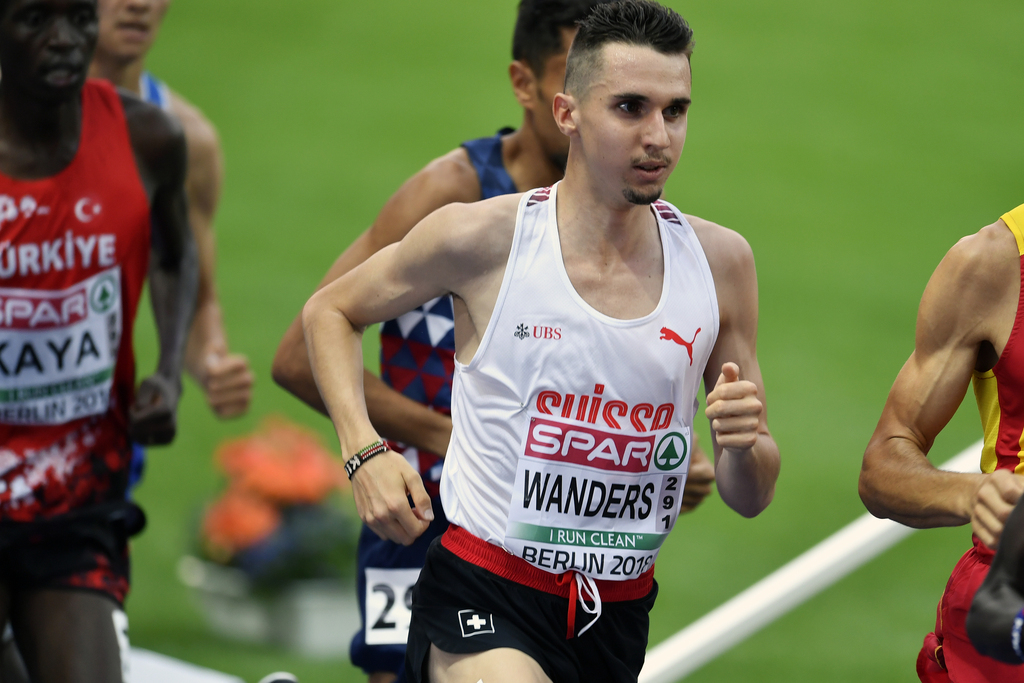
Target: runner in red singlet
84	174
968	330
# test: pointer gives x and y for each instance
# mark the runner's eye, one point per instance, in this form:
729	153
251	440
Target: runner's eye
32	18
83	17
631	107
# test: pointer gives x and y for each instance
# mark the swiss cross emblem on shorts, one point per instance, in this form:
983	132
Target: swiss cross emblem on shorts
474	623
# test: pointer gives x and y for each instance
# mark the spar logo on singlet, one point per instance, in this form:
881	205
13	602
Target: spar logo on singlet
577	445
671	452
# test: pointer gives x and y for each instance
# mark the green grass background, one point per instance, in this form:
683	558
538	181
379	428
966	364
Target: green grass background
851	142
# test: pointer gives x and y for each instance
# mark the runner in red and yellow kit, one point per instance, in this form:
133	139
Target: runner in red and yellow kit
84	173
969	328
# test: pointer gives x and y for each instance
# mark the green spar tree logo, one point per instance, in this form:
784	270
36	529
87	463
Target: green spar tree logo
671	451
104	294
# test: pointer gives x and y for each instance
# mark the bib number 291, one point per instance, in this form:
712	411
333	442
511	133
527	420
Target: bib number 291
388	603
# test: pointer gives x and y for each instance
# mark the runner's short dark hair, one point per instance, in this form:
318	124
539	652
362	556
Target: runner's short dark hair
634	22
538	32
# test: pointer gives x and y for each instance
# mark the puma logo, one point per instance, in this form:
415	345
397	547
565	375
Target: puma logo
672	336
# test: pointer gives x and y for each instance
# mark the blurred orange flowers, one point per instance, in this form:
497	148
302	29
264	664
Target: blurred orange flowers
280	465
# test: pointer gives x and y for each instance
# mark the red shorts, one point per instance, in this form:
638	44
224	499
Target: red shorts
947	655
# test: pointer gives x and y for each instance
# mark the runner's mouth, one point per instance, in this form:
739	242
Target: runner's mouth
650	171
134	27
62	75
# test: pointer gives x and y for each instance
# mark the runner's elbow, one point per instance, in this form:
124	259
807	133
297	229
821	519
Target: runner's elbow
868	485
284	370
749	506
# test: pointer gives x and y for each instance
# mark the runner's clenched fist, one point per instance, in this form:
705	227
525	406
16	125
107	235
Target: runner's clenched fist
734	410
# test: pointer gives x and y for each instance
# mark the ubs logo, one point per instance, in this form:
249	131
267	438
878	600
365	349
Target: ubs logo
538	332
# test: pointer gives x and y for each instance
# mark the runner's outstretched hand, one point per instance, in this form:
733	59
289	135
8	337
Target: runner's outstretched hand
992	504
382	487
734	410
152	418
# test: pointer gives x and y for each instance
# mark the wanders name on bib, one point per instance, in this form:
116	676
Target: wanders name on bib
596	501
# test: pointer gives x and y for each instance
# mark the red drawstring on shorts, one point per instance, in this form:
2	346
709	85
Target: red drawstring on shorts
577	582
561	580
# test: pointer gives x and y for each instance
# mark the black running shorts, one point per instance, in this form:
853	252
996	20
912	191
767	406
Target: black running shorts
85	549
462	608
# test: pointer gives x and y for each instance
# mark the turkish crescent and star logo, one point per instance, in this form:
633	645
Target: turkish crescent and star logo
671	451
104	294
87	209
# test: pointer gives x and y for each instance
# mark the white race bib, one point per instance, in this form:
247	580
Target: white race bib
389	605
58	350
595	501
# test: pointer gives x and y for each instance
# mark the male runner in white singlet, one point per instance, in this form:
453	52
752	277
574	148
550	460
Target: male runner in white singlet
569	445
411	401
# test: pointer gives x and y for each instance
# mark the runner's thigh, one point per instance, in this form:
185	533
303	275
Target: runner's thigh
68	636
490	666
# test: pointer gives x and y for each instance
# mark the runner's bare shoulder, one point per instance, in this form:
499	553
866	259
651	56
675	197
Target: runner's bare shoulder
984	257
728	253
158	140
452	176
979	275
477	236
199	130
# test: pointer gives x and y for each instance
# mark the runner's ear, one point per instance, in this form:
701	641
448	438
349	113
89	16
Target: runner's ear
524	84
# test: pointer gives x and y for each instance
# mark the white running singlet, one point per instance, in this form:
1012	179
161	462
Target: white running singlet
572	430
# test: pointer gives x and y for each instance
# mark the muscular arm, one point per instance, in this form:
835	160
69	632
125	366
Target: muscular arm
461	249
746	457
968	307
225	377
448	179
159	146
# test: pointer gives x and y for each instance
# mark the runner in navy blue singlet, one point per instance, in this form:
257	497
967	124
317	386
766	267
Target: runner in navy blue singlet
410	403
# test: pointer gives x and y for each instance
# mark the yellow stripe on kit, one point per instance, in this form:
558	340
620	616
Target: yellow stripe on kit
986	390
1015	222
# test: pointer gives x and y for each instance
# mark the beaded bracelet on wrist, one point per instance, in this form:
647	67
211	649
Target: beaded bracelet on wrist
364	454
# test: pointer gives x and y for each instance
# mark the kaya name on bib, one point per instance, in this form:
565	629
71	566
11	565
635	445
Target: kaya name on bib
58	350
